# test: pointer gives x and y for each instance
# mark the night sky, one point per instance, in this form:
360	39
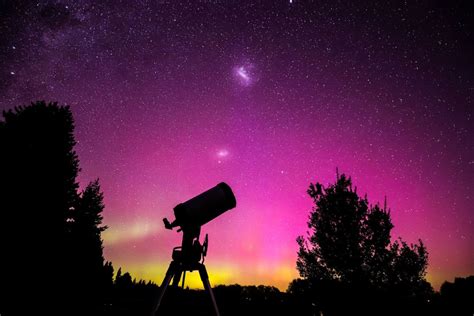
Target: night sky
172	97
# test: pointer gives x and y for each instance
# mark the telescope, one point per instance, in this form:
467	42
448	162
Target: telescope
203	208
189	217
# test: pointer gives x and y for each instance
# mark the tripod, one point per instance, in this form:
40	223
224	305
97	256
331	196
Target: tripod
187	258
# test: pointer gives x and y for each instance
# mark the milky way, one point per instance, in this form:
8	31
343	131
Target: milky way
172	97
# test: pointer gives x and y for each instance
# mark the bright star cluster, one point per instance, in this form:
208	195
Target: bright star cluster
172	97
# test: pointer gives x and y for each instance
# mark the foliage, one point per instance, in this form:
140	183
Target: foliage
349	245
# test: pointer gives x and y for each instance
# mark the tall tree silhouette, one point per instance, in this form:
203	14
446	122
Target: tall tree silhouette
349	248
46	226
87	261
38	188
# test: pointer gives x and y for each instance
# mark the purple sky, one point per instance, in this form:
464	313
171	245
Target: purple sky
172	97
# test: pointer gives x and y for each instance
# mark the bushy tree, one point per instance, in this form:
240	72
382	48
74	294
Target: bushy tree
348	246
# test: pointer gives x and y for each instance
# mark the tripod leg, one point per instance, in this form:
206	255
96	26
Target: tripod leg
207	285
177	276
164	285
184	277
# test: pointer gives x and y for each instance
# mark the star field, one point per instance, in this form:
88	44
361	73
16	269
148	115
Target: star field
172	97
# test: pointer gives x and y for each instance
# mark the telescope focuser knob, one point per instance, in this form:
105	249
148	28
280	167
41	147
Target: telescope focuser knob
167	223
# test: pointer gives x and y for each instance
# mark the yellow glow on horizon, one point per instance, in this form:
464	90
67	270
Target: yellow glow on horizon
222	273
228	273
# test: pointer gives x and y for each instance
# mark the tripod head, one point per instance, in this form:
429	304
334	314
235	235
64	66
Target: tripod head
192	214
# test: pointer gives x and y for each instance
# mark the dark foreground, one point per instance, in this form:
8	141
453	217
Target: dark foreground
454	299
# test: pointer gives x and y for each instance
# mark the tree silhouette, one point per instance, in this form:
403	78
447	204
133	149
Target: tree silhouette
108	279
38	188
456	298
348	249
46	226
123	281
90	273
